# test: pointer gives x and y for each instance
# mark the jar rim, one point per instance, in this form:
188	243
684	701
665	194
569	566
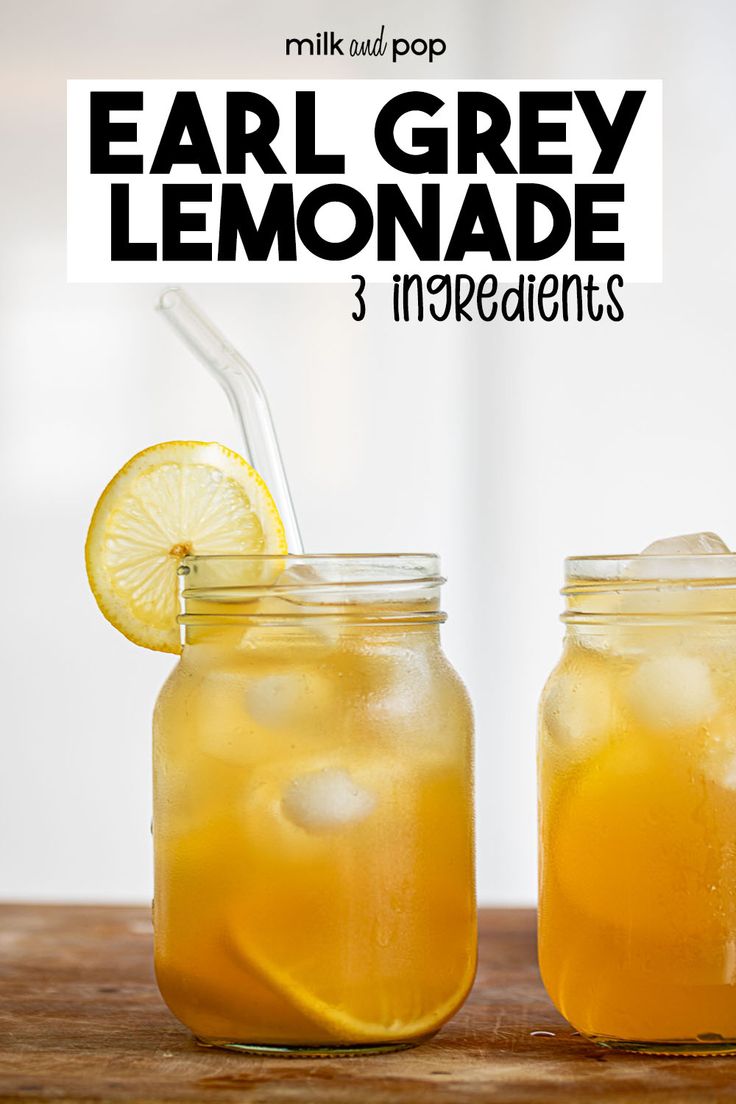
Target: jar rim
643	590
632	568
327	569
430	558
360	587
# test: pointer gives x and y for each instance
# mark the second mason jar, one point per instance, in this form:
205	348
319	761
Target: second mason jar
637	805
313	807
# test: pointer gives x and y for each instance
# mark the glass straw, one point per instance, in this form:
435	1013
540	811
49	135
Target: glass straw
246	397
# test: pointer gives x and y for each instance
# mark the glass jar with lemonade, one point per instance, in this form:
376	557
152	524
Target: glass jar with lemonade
313	826
637	802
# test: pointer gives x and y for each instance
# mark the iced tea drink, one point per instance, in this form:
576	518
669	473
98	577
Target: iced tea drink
313	809
637	804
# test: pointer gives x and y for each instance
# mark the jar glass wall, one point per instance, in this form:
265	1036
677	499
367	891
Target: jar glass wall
313	807
637	805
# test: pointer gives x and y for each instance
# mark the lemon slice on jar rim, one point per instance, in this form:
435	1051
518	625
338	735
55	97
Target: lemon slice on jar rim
169	501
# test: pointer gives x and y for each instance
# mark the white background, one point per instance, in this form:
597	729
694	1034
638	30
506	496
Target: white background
345	116
503	446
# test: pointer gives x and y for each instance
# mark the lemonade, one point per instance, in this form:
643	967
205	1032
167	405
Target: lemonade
312	823
637	927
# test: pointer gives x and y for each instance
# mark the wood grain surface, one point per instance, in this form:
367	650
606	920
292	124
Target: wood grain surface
81	1020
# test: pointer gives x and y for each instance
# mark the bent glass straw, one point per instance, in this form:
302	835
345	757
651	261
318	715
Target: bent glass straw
246	397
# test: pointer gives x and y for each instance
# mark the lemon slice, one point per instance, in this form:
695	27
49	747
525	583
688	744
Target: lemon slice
172	500
337	1023
356	974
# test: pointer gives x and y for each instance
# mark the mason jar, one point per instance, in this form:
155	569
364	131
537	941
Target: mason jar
637	805
313	823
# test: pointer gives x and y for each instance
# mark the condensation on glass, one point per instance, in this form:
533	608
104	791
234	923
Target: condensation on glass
313	807
637	803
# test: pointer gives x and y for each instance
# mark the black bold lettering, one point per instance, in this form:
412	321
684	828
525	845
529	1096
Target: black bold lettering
423	234
532	132
276	225
121	247
102	131
185	117
434	157
307	159
256	142
175	221
488	142
611	136
527	198
477	207
587	221
359	235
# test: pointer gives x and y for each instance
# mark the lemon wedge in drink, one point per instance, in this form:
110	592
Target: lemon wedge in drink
175	499
334	1023
297	926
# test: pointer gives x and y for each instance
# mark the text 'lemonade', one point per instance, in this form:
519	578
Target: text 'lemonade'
637	762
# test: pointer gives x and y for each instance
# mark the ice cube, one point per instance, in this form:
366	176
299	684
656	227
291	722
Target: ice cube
689	544
299	574
672	691
684	557
719	758
303	585
341	583
284	699
578	709
327	799
398	685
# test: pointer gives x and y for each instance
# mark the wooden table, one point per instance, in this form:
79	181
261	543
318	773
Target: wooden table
81	1020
